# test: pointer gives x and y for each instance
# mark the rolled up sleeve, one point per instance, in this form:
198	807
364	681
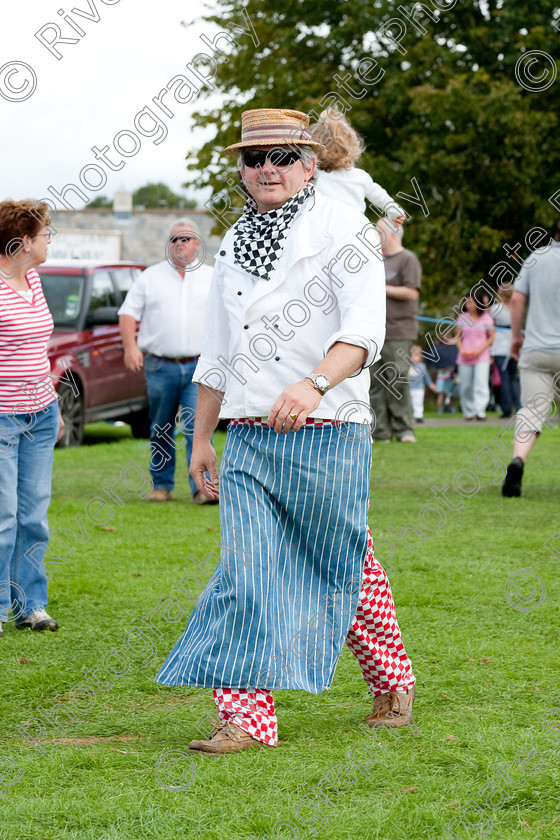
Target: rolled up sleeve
135	300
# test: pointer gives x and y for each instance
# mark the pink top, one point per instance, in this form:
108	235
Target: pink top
25	329
474	334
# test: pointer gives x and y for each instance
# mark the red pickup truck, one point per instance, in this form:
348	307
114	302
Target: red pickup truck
86	351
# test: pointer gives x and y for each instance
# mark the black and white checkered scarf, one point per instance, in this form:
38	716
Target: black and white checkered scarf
259	237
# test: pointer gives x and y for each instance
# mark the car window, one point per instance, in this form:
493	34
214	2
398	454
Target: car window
124	278
63	293
102	291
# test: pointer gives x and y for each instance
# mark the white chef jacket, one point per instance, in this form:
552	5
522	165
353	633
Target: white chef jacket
170	309
262	335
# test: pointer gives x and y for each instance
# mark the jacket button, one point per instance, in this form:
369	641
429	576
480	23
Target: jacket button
222	253
277	358
246	326
238	293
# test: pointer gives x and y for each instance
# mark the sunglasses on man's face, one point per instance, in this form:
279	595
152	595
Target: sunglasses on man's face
276	157
175	239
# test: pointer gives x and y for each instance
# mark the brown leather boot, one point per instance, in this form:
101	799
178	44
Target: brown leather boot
159	495
226	738
392	709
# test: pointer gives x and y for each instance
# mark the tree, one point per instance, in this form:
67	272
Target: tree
159	195
100	201
450	106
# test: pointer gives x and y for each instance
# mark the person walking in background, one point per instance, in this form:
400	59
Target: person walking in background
507	366
538	352
169	300
474	335
27	402
419	379
446	371
338	175
389	389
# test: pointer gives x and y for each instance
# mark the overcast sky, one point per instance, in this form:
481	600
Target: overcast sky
94	92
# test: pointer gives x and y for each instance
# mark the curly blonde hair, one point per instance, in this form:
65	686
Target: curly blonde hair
343	145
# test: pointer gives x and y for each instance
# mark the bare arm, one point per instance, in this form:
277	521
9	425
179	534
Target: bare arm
302	398
517	310
459	337
133	357
402	292
203	457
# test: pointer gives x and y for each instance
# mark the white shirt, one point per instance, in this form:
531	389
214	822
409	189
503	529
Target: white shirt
170	309
353	186
501	314
251	360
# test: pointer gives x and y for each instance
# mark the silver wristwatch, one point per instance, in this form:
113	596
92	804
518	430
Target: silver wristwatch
320	382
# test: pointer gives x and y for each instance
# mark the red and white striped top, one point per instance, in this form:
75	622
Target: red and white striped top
25	329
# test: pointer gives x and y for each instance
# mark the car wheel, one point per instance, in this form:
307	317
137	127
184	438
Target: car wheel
140	424
72	410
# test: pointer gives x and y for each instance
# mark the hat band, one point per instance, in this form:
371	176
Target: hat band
283	133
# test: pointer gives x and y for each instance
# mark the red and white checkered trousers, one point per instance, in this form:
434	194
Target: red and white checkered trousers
374	638
253	711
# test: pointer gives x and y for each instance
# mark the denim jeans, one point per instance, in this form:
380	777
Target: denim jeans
170	390
510	396
26	456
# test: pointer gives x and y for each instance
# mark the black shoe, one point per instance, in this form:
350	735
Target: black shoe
419	419
514	476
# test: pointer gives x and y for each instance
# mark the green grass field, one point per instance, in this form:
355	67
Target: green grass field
487	672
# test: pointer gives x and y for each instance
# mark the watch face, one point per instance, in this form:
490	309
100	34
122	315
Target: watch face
322	382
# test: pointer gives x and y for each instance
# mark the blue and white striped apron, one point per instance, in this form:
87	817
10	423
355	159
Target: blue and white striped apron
293	516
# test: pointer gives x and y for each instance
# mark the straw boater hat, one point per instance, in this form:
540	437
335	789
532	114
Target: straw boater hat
274	127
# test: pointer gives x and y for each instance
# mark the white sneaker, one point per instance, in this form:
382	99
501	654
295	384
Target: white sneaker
38	620
408	437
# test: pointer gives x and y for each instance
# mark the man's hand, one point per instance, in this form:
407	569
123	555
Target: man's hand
299	399
133	359
204	460
516	345
398	220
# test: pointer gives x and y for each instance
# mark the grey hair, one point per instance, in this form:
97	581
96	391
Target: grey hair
307	156
186	224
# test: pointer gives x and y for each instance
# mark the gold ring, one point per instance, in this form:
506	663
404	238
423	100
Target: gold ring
293	416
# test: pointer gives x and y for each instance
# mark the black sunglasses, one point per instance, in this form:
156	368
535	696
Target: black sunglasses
276	157
181	239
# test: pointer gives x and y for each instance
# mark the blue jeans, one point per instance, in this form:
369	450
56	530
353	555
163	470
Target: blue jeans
26	456
172	398
510	395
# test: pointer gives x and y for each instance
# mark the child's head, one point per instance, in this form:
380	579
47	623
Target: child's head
472	306
343	145
416	353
